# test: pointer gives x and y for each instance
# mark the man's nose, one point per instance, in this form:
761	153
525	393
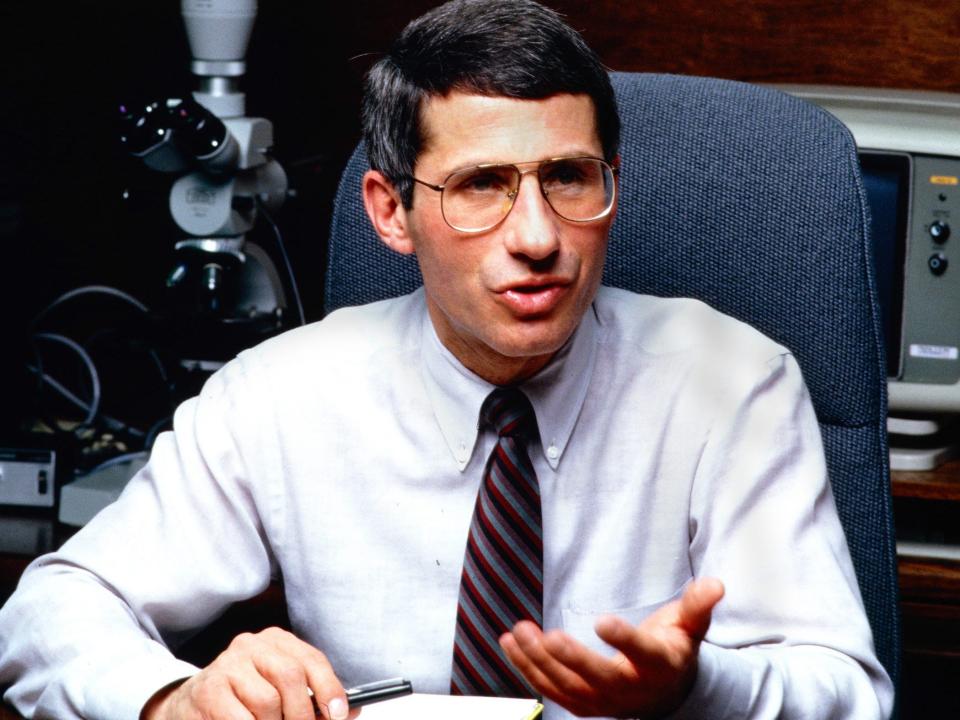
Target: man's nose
532	228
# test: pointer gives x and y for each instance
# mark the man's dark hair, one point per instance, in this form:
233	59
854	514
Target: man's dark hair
509	48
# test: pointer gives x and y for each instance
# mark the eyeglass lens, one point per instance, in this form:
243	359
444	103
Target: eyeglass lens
578	189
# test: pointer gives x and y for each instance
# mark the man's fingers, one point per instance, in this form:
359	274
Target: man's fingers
287	678
654	657
292	669
309	668
636	644
327	689
552	672
696	606
540	682
691	615
269	675
592	668
257	694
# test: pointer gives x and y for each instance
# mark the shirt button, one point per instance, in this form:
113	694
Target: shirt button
552	452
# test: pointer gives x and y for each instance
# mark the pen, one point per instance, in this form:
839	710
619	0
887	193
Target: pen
374	692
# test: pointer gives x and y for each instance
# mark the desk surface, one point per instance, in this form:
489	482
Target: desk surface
941	484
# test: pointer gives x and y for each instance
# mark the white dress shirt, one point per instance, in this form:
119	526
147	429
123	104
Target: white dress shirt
345	458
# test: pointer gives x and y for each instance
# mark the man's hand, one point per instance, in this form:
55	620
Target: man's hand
651	674
267	676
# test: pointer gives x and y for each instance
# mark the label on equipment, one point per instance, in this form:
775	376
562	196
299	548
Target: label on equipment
934	352
943	180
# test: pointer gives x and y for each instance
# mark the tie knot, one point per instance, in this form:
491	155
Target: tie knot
510	413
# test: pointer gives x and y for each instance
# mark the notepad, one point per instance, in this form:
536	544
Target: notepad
423	706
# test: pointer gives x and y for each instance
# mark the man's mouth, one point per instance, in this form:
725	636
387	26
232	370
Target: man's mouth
536	298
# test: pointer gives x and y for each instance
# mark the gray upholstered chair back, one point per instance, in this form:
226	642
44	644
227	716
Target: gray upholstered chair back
750	200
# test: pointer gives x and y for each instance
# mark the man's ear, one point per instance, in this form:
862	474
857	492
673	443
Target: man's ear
386	212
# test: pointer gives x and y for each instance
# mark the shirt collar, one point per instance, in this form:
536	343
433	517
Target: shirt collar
557	392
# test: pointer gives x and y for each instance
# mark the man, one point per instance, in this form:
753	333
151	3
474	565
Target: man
640	451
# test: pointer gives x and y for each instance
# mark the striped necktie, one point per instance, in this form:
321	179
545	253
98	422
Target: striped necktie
502	579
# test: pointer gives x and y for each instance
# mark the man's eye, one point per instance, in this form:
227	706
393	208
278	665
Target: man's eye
564	174
482	182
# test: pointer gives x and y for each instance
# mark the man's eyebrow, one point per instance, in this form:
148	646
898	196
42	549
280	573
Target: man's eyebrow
569	153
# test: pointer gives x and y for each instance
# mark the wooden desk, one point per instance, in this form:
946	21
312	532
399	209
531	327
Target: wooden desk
929	594
930	588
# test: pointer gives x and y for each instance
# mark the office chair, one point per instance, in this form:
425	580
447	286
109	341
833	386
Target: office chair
750	200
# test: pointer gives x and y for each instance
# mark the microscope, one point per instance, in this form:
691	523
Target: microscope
222	286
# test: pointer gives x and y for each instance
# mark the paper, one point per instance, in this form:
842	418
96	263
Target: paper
422	706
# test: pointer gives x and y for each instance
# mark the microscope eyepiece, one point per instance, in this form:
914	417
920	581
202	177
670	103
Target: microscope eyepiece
204	137
142	128
173	134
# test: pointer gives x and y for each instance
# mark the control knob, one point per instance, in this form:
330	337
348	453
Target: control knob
939	231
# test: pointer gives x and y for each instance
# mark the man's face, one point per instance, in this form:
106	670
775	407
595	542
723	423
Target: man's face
505	300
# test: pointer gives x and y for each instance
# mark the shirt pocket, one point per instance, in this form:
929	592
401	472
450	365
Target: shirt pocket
579	622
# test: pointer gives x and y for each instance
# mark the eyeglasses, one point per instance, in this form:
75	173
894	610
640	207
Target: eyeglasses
476	199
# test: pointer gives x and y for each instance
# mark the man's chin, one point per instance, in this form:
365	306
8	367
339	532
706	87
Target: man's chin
532	344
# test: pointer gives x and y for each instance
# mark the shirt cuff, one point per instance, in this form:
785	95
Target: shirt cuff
121	692
724	685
